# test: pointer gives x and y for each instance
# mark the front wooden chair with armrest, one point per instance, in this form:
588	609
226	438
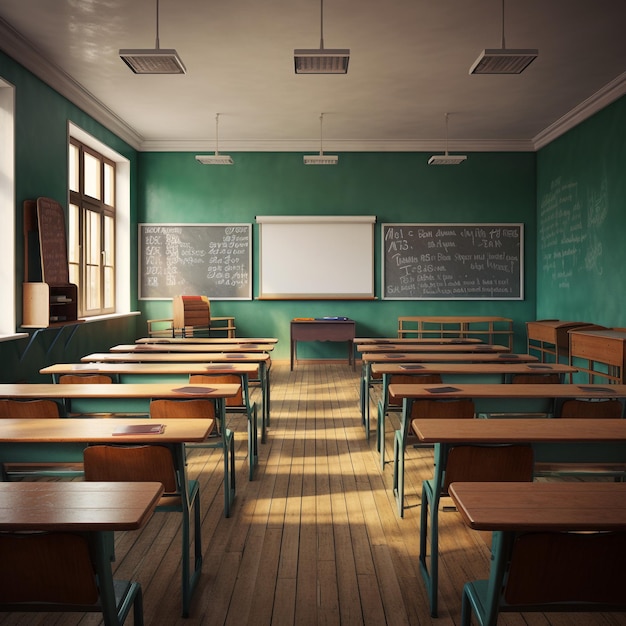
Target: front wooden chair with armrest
464	463
387	404
56	571
551	572
441	409
147	463
203	408
238	404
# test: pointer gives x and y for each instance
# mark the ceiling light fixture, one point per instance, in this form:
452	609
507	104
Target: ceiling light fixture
322	60
321	158
503	61
217	158
446	159
155	61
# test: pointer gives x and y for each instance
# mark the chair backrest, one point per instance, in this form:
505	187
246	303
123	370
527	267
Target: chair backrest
552	567
131	463
443	409
604	408
85	379
488	463
536	379
48	568
197	408
28	408
411	379
220	379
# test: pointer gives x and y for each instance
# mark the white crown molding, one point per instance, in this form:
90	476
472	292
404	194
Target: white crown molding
23	51
602	98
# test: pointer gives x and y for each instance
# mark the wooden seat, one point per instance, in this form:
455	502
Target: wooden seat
238	404
46	572
553	571
536	379
203	408
388	404
155	463
34	409
82	379
465	463
442	409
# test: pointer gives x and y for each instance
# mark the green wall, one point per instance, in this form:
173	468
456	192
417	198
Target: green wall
581	202
395	187
41	122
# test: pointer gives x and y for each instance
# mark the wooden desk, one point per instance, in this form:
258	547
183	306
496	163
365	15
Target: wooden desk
551	338
598	438
96	509
606	347
476	348
492	328
262	359
417	340
322	330
207	340
511	508
461	373
369	358
168	372
193	347
65	432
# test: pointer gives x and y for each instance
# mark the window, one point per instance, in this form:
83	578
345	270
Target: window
91	228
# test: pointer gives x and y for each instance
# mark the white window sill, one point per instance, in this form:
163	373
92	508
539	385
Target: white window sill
110	316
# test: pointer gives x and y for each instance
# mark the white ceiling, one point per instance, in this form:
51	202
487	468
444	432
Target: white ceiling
408	67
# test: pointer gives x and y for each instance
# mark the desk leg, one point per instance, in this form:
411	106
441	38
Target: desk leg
293	351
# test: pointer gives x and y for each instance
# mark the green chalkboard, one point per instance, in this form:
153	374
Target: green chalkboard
212	260
453	261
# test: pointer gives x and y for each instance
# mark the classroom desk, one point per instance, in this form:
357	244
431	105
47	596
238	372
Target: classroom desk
72	430
262	359
602	438
430	347
96	509
193	347
207	340
168	372
507	509
416	340
551	337
322	330
606	347
369	358
488	398
454	373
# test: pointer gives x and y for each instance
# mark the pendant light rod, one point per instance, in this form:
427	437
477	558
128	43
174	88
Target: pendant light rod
503	46
321	24
321	129
156	43
217	125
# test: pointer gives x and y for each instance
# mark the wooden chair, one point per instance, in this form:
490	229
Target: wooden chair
465	463
424	409
238	404
550	572
82	379
156	463
48	572
388	404
203	408
604	408
34	409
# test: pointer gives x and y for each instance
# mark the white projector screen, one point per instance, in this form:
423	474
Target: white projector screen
316	257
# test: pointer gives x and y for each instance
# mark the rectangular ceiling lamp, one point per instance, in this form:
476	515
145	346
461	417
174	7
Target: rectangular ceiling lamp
321	159
321	61
214	159
157	61
447	159
503	61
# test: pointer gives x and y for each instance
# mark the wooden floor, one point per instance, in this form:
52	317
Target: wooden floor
315	538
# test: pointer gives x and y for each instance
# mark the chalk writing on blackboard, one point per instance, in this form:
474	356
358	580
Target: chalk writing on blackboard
195	259
570	237
52	241
452	261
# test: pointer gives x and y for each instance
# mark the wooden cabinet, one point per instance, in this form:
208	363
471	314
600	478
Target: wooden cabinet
48	298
